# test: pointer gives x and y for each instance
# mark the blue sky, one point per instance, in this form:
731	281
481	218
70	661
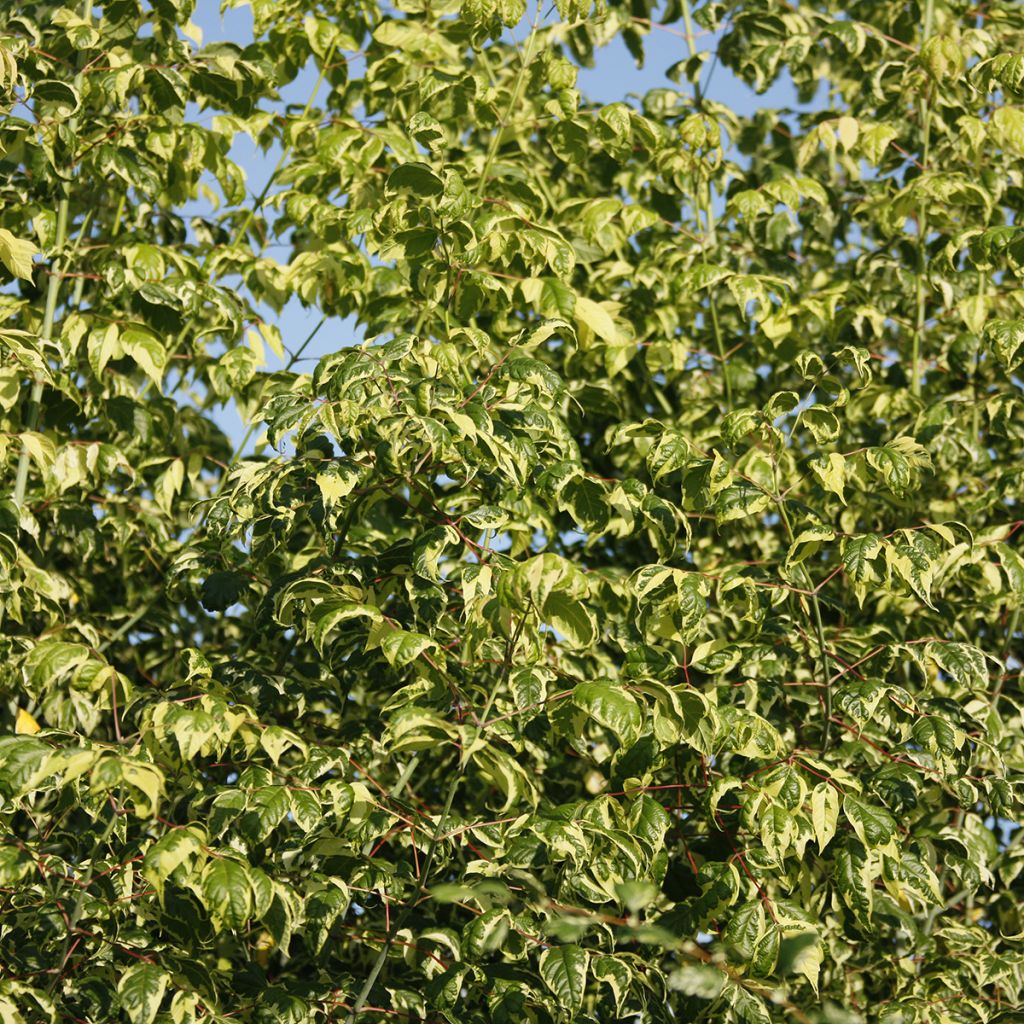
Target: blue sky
613	78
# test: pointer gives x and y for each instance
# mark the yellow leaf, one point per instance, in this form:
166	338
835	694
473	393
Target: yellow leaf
336	482
262	948
272	336
16	254
847	130
596	316
25	724
974	312
255	342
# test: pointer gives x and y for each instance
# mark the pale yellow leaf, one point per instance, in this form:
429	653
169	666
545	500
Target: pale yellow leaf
25	724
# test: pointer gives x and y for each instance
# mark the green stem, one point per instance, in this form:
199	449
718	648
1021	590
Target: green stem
52	290
701	203
706	237
118	214
1005	655
378	964
975	410
126	626
825	664
285	150
691	45
296	356
492	149
76	295
36	395
657	391
435	839
240	447
720	346
76	911
395	792
922	227
961	814
819	628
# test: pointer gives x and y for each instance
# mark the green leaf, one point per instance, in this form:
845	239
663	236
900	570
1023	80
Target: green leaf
672	452
830	470
426	130
429	549
963	663
943	58
807	543
1006	337
24	762
335	482
588	504
824	813
52	660
146	350
180	846
778	831
564	970
140	990
1006	69
875	140
765	954
613	972
486	933
900	462
401	647
17	254
62	95
714	656
612	707
502	772
859	557
920	879
874	825
40	449
746	927
749	1007
697	980
227	893
854	878
571	618
322	909
740	501
487	517
821	422
221	590
802	953
415	177
597	318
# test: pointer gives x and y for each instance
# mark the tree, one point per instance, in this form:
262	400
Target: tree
627	629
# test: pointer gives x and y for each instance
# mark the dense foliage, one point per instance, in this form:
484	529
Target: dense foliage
627	630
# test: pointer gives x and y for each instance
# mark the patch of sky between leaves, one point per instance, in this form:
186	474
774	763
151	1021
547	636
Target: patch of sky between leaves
296	322
615	77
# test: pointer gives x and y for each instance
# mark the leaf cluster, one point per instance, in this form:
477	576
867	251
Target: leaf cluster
625	627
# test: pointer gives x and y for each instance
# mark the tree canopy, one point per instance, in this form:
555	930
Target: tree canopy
623	625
